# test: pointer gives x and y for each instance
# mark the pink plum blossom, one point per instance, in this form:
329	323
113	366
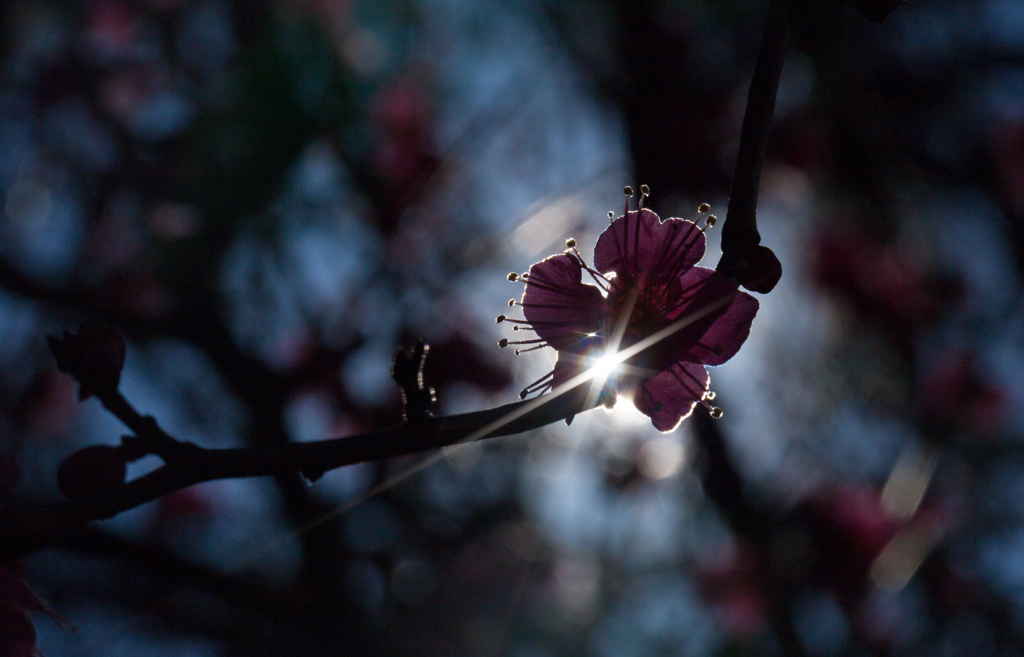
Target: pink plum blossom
650	301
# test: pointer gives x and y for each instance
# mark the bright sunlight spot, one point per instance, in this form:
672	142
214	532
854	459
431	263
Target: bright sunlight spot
604	366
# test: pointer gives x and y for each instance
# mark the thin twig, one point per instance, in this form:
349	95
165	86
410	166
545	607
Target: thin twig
151	437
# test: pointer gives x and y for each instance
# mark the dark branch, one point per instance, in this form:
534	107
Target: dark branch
24	530
740	226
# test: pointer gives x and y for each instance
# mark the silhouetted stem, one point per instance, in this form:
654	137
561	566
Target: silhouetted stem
740	225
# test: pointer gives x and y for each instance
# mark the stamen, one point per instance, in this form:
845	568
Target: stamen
636	240
502	343
571	243
540	384
611	216
702	210
675	249
672	370
511	302
527	325
544	285
523	351
692	378
499	319
685	297
520	342
541	380
561	306
598	277
714	411
628	191
513	277
645	191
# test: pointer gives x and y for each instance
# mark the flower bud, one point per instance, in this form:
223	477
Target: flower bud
94	356
754	267
95	469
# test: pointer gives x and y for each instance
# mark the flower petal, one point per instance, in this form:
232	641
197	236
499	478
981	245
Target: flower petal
728	332
717	336
558	305
670	396
640	245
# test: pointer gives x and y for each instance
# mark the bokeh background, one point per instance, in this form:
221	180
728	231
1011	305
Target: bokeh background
269	197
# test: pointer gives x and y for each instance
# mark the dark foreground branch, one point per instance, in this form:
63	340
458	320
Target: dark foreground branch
740	226
27	529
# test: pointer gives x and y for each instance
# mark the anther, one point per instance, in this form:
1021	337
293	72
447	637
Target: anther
704	207
628	191
503	343
515	328
716	413
522	395
645	191
511	302
513	277
611	215
711	221
499	319
515	352
570	243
